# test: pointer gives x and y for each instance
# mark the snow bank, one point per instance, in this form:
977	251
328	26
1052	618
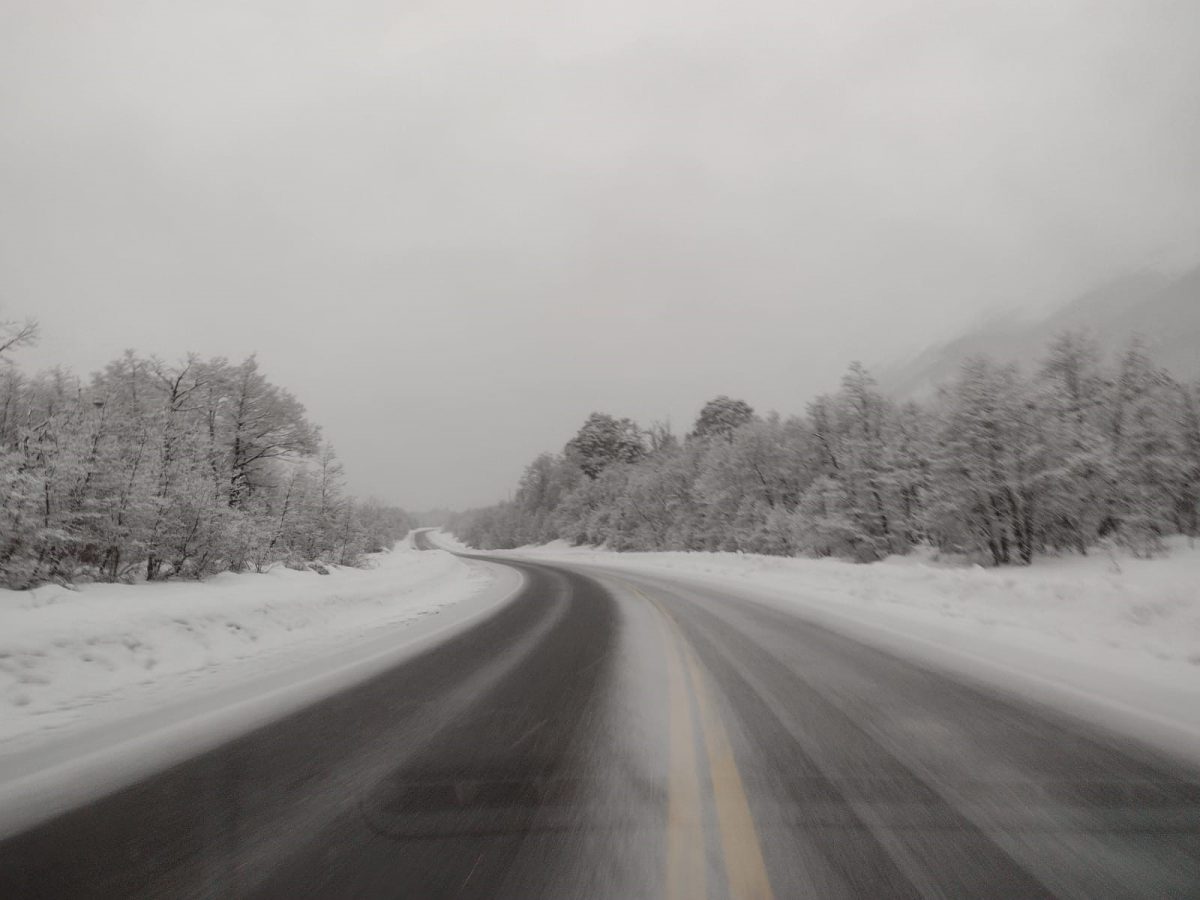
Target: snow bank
1112	637
69	658
1139	608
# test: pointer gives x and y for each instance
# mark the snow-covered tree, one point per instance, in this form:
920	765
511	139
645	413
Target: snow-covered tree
604	440
721	417
167	471
1001	466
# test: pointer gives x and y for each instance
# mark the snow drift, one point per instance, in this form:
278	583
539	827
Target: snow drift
69	657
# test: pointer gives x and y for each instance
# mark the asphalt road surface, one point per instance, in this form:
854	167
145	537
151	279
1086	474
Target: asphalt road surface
614	735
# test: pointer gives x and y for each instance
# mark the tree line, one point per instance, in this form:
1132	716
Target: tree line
153	470
1000	466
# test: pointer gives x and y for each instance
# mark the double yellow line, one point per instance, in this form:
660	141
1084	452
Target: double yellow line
687	863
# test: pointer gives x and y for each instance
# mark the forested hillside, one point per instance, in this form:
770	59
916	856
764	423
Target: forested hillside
1002	465
1163	312
155	470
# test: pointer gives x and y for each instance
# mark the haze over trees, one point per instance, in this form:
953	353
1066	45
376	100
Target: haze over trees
1163	310
1001	466
156	470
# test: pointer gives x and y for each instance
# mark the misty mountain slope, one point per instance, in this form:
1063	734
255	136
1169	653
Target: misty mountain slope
1165	312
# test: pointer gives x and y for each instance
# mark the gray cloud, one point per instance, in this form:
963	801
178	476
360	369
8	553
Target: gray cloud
455	229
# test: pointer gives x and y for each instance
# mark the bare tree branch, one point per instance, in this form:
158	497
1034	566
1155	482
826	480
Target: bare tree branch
17	334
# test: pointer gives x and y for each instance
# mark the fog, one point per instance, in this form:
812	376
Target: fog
455	229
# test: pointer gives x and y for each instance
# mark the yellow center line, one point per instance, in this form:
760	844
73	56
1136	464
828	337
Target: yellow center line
686	870
744	865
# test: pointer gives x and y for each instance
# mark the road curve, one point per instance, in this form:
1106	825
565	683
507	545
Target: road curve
607	734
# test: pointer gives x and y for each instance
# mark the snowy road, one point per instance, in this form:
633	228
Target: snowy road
611	734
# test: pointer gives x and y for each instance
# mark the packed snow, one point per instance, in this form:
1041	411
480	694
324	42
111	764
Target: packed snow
1110	636
72	657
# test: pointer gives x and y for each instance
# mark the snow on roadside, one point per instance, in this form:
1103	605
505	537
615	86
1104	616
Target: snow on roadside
1139	608
1111	636
68	657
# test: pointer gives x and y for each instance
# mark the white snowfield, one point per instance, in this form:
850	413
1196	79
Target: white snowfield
1112	638
102	683
65	654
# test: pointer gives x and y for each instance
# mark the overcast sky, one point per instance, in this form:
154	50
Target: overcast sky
455	228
